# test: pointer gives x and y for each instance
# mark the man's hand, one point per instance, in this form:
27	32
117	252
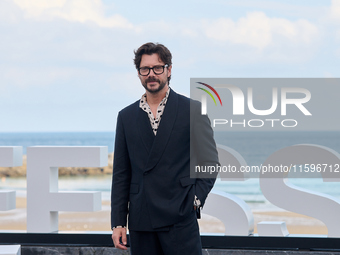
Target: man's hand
116	235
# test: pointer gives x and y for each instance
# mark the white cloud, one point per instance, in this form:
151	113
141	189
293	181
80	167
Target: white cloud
335	10
259	31
37	7
126	83
253	30
334	18
328	75
60	52
24	77
72	10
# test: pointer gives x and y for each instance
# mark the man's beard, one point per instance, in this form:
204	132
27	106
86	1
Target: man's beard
154	91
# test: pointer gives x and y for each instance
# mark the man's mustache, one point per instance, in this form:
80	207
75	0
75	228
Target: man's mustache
152	79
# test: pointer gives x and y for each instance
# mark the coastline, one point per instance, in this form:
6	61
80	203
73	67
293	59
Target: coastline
20	171
100	221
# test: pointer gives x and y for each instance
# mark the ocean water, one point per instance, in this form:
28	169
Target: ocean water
255	147
58	139
82	183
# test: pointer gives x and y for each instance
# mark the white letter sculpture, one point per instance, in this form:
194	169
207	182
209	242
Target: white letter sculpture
235	214
277	189
43	198
10	156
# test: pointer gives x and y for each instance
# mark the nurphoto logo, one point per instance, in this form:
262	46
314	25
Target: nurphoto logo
278	101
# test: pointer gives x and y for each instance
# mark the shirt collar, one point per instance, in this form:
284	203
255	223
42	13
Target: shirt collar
143	100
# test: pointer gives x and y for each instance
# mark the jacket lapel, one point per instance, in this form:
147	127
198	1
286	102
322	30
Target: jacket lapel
145	130
163	131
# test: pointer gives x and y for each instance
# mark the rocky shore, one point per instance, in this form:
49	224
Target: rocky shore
20	171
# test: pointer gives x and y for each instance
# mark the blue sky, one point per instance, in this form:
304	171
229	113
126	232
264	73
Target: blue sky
66	65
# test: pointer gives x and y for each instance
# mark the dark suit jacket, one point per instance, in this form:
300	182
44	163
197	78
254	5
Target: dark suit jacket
151	174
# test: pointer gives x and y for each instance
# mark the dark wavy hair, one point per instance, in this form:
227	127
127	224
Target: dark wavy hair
153	48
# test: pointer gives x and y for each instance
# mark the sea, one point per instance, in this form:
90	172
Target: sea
254	147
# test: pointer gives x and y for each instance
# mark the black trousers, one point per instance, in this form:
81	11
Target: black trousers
182	238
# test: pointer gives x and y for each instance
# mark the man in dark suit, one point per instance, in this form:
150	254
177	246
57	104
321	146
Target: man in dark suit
151	182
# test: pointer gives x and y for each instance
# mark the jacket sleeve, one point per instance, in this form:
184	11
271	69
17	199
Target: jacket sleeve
203	150
121	177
